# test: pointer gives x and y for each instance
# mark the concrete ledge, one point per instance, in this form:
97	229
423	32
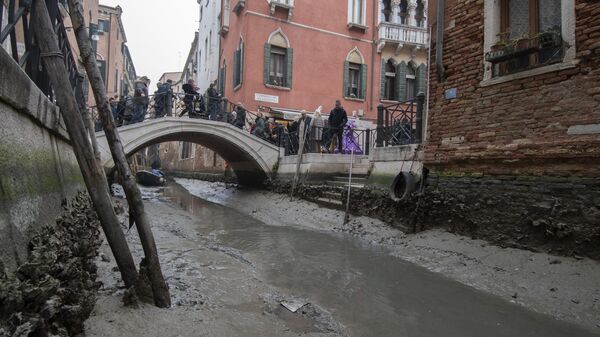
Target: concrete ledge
19	92
396	153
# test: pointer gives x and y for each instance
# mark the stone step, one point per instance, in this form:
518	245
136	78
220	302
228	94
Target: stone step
355	179
345	184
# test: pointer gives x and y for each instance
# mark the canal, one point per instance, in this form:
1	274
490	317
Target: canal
364	288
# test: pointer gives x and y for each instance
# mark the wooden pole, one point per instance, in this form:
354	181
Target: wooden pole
160	290
93	175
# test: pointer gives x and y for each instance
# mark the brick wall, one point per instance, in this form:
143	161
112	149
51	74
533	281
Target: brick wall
521	126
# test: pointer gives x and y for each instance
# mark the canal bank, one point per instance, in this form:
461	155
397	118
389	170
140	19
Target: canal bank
229	267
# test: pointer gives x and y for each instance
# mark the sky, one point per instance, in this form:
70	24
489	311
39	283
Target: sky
159	33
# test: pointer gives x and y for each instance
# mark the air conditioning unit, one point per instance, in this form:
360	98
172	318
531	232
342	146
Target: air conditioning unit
361	112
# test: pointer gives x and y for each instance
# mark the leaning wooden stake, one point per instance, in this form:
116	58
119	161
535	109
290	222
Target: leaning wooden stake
160	290
93	175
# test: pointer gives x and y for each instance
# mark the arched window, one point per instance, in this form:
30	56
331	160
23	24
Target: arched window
403	13
278	61
420	13
389	82
238	65
410	81
355	75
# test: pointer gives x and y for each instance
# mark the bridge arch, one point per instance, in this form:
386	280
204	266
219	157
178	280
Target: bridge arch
252	159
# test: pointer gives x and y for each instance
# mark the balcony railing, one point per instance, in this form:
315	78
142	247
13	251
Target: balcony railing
403	34
284	4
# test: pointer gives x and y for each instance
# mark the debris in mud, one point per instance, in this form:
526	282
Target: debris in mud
293	304
55	290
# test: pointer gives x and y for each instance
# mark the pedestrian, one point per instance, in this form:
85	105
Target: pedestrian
113	109
337	120
304	127
240	116
317	130
140	101
169	97
159	100
190	96
260	130
213	102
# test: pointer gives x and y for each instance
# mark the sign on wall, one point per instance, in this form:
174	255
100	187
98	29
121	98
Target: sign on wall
266	98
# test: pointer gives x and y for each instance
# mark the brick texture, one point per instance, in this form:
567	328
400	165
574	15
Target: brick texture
520	126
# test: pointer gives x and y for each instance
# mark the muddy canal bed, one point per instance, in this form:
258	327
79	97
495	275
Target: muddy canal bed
231	258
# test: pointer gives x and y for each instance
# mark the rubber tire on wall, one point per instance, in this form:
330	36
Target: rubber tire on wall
404	184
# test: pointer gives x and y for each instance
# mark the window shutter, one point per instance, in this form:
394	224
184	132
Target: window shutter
346	79
363	81
382	92
401	82
241	64
289	58
235	68
267	66
421	79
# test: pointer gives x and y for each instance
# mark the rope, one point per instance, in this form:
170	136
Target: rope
52	54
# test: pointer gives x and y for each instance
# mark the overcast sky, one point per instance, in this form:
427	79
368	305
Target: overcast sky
159	33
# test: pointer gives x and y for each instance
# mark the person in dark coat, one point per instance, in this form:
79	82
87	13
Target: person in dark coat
190	96
240	116
337	121
160	96
214	99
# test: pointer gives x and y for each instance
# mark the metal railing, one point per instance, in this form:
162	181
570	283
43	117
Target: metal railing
403	33
17	31
326	140
400	123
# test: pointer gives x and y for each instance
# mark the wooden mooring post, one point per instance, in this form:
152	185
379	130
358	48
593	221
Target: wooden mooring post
160	290
93	174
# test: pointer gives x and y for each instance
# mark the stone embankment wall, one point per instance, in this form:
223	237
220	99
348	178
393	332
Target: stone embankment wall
38	170
517	160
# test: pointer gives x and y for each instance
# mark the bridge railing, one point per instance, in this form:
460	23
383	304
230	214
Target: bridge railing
17	40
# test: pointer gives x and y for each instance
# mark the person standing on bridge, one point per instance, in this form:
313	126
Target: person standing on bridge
140	100
190	96
337	120
240	116
213	102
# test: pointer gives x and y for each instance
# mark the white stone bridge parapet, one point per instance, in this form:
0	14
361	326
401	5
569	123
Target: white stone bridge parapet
253	160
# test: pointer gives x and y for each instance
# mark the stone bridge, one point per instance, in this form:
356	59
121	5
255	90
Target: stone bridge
253	160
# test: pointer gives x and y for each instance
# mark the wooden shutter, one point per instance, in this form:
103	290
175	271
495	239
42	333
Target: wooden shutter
363	81
401	82
241	64
235	68
267	63
382	88
289	60
346	83
421	79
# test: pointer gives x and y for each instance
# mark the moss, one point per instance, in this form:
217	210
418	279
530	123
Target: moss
32	172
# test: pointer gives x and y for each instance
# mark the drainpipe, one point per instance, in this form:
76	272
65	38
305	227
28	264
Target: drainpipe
109	51
439	47
373	52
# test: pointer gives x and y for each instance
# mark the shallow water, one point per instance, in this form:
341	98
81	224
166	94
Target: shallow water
364	288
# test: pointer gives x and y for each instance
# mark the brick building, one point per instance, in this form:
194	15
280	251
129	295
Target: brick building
287	55
513	138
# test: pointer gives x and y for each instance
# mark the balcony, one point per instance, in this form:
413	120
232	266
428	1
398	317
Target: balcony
286	5
402	36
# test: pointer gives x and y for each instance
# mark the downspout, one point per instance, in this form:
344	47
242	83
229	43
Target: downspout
373	52
439	41
427	94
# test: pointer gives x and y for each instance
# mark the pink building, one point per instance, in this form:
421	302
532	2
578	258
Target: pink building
286	56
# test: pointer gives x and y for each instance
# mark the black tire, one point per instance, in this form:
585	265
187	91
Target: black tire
404	184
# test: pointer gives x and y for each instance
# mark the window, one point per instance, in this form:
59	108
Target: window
277	67
388	90
103	26
403	14
116	81
278	61
356	12
531	30
410	82
221	78
102	68
355	76
403	81
185	150
420	14
238	61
